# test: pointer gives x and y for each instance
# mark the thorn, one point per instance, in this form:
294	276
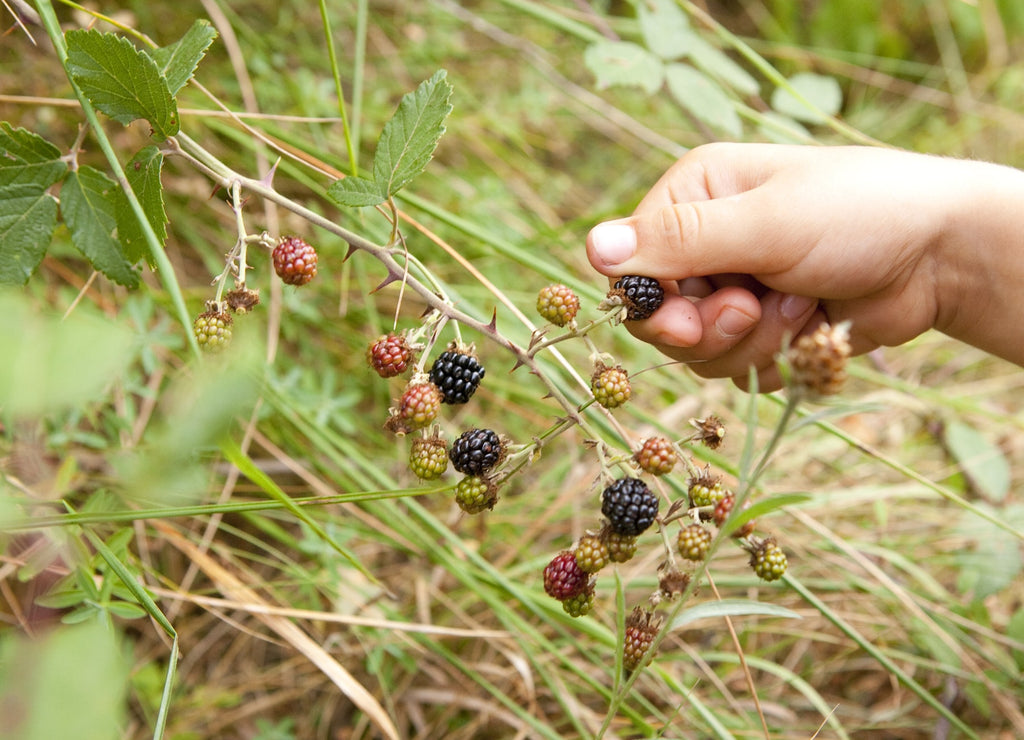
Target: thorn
493	326
352	249
268	179
519	364
392	277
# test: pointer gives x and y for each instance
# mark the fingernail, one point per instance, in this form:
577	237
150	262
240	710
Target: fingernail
613	243
794	307
731	322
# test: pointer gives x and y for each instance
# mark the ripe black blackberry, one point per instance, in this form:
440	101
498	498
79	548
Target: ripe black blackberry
641	295
457	374
476	451
629	506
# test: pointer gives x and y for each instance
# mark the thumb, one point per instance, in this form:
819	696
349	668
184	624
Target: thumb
681	240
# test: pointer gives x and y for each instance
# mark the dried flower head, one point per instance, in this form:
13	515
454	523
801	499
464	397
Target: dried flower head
818	360
710	431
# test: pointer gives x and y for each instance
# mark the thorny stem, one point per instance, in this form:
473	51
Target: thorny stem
574	332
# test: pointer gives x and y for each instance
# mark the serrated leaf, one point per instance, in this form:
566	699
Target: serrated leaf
624	63
28	216
763	507
703	99
410	136
717	63
982	462
665	28
87	203
355	192
143	173
730	608
121	81
822	93
28	159
178	61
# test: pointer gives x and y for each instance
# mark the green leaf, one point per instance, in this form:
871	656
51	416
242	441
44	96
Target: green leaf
665	28
83	670
125	610
121	81
28	159
822	97
52	364
410	137
28	216
143	174
763	507
355	192
178	61
718	64
703	99
87	203
995	561
624	63
730	608
982	462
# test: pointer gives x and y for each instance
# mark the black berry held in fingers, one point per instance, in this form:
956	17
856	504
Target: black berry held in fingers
629	506
389	356
641	295
563	577
476	451
294	260
457	374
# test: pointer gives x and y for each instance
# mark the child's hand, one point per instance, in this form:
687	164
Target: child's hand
756	242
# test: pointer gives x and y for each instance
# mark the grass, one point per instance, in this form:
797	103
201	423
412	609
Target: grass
316	590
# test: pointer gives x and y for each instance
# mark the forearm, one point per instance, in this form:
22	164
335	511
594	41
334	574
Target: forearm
979	270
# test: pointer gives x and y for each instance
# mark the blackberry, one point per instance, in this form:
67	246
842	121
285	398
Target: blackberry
213	330
418	407
389	356
656	456
621	548
706	490
722	511
428	457
641	295
563	577
629	506
641	628
592	553
610	386
818	360
476	451
474	494
557	304
294	260
580	604
693	542
457	374
768	560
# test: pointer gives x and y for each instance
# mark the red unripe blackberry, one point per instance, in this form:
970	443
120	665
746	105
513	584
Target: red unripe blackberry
610	386
693	542
656	456
474	494
428	457
641	295
557	304
212	330
722	511
476	451
768	560
418	407
592	553
629	506
563	577
294	260
580	604
641	629
621	547
457	374
389	356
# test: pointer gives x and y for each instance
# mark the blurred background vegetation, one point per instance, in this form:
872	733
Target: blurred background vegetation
440	618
